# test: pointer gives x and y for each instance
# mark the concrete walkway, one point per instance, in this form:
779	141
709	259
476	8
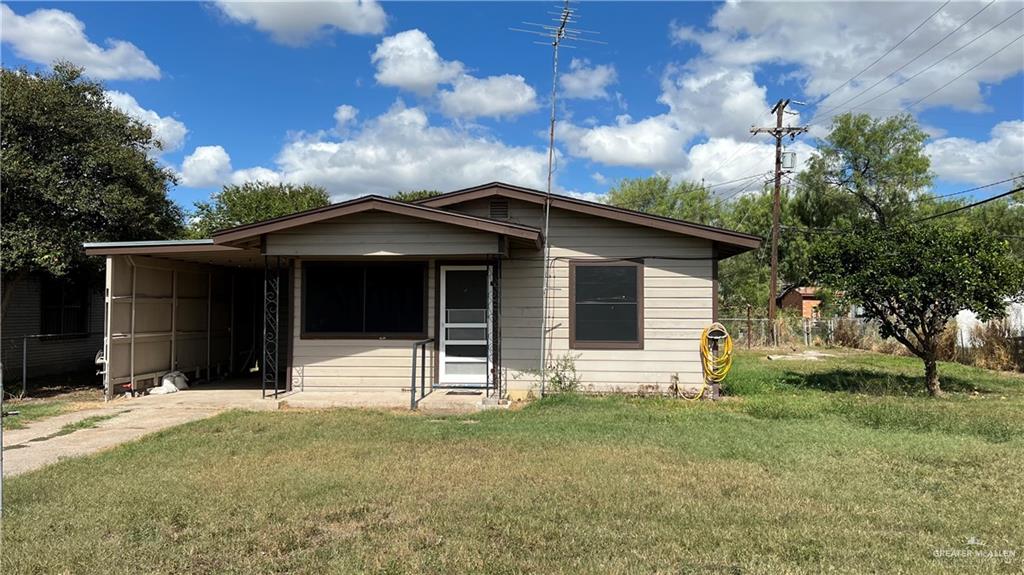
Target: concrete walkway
127	419
40	444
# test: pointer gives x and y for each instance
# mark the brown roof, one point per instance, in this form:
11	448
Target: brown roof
380	204
727	242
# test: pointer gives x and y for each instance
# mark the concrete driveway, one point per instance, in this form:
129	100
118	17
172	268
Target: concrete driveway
41	443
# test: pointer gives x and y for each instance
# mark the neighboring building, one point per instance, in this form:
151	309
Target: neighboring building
967	321
362	281
56	324
801	299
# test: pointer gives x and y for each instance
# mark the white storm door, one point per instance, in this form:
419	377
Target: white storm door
465	316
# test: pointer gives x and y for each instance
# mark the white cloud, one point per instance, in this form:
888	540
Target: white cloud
209	166
587	82
830	42
45	36
494	96
715	100
400	150
344	116
725	159
702	99
656	142
297	24
168	131
206	166
257	174
974	162
408	60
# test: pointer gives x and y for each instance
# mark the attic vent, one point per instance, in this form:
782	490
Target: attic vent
499	209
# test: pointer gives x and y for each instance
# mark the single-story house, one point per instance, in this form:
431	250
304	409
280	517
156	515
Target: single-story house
51	327
375	294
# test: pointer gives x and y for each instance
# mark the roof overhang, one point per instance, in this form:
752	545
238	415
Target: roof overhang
248	232
156	247
727	242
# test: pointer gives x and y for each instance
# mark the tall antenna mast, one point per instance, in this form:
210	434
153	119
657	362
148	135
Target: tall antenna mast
555	36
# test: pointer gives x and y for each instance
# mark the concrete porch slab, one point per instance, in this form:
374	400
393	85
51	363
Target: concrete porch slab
437	401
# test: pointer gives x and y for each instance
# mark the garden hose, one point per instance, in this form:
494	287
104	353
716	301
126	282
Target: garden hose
715	356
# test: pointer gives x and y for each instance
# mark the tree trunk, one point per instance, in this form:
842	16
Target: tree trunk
931	376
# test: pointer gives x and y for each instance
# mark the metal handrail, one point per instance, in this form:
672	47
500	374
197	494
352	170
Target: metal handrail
422	345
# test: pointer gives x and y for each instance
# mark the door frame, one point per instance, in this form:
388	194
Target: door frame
440	325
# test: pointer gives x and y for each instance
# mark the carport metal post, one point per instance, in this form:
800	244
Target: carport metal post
209	323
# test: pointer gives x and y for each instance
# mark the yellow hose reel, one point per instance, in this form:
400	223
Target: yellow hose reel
715	358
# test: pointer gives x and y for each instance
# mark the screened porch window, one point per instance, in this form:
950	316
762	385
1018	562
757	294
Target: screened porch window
341	299
606	308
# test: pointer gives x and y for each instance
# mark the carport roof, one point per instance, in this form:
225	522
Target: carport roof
195	251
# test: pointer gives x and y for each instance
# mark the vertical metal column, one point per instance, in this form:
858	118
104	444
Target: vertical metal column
271	304
496	371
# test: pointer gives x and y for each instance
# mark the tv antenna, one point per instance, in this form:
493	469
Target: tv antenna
556	35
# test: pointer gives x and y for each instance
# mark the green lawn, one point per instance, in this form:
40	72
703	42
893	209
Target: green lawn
49	399
840	466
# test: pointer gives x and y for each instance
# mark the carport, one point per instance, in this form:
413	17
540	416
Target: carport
210	311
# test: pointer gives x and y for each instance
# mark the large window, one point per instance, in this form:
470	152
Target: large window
606	305
64	307
341	299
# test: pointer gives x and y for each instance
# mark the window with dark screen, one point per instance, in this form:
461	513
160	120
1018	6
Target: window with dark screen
606	307
345	299
64	307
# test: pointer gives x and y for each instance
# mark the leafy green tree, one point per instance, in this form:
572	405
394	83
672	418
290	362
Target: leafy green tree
251	202
416	195
659	196
914	278
866	170
75	169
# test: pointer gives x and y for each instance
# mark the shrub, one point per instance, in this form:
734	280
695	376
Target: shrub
998	346
562	375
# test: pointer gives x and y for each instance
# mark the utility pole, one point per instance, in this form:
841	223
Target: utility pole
778	132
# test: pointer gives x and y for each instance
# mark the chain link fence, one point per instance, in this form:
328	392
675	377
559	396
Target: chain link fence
995	345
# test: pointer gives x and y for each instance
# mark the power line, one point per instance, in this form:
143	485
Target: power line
937	62
965	72
928	197
974	205
887	52
709	186
732	158
909	62
962	192
738	191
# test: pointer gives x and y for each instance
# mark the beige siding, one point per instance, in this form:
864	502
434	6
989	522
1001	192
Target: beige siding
368	364
677	305
381	234
155	299
519	212
677	294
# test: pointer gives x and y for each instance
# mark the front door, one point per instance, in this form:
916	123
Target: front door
465	317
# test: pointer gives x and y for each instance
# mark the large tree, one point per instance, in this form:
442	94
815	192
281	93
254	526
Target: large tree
866	171
75	169
657	195
913	278
416	195
236	205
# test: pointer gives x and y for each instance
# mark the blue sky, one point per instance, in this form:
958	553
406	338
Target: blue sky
374	98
